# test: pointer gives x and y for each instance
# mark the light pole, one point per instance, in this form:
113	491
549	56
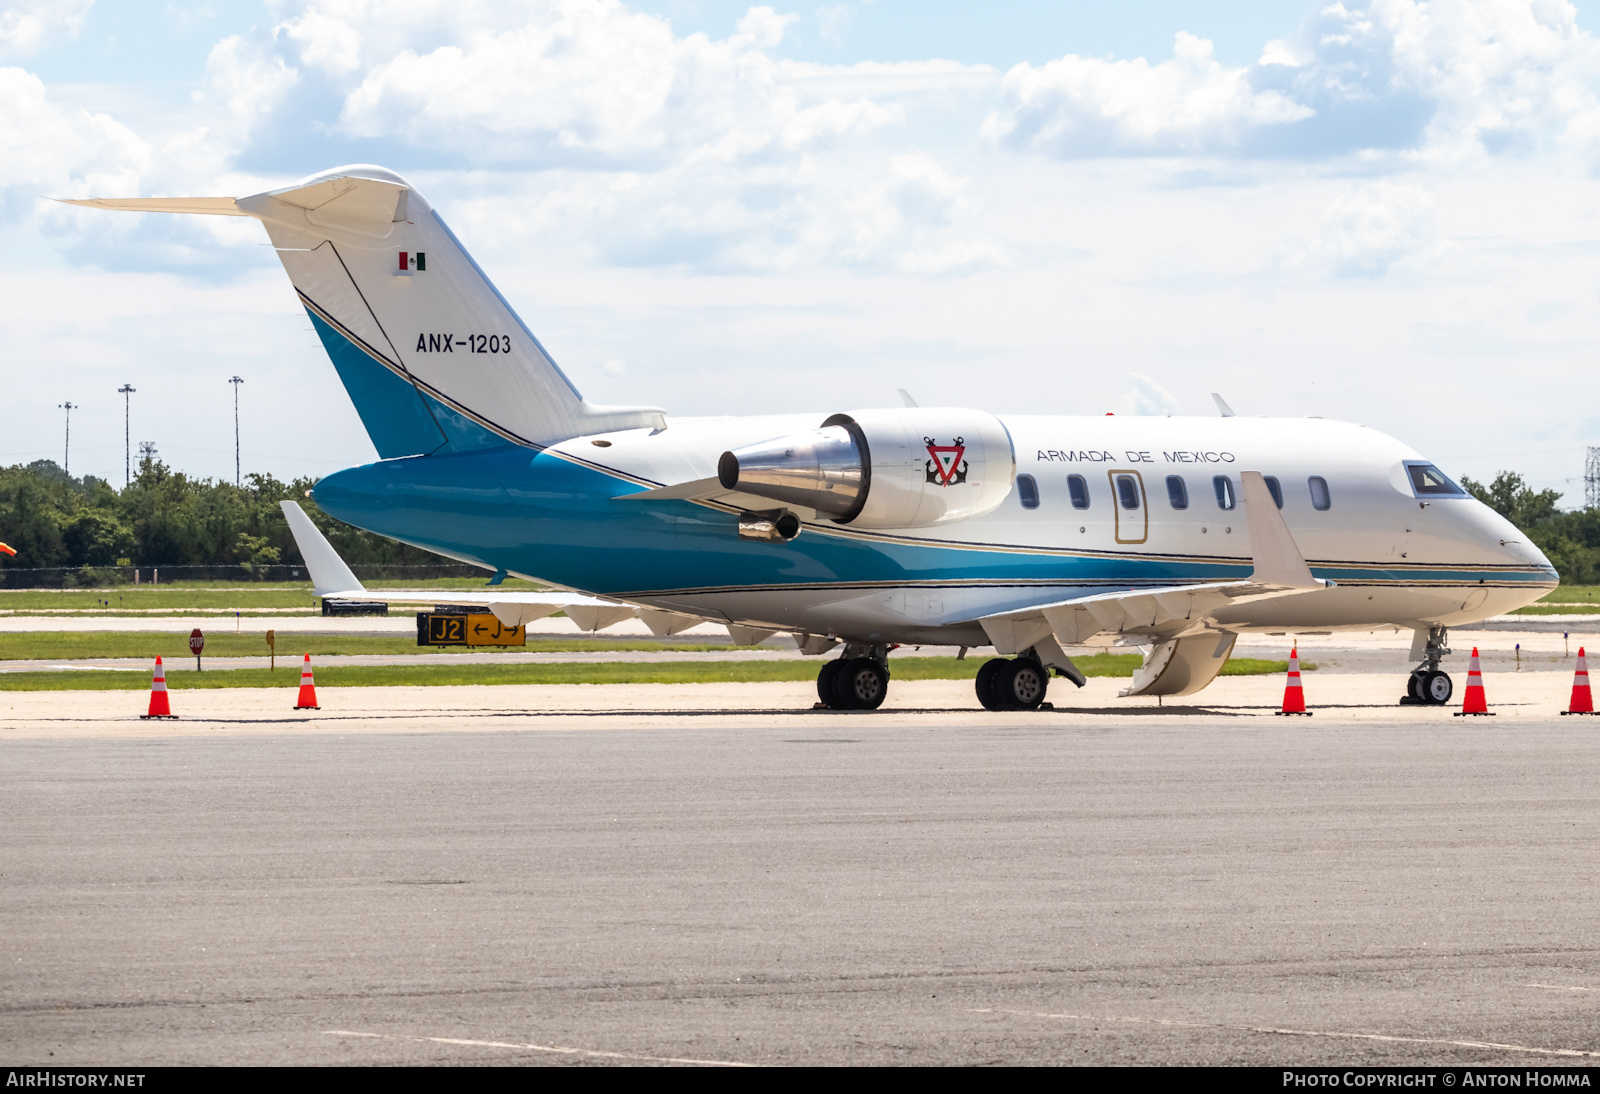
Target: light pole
237	478
66	457
126	391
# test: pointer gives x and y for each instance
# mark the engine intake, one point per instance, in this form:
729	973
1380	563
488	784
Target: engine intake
909	468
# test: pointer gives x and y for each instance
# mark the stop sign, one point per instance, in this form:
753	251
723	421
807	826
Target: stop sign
197	641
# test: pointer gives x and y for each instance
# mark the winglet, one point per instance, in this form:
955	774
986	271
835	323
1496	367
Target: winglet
1222	406
1277	557
329	574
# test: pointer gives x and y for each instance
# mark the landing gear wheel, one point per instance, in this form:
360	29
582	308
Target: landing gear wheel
984	684
1414	687
860	683
1436	688
825	680
1021	684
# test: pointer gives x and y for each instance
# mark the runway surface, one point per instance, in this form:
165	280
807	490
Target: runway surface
697	873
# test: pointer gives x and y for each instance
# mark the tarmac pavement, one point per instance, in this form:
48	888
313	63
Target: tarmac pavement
715	874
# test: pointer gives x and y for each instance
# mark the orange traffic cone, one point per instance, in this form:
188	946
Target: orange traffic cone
1474	703
159	707
1582	699
308	688
1294	696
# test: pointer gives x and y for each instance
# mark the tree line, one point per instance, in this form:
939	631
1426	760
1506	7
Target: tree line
1569	539
166	518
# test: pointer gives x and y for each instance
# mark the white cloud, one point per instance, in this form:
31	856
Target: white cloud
761	28
325	42
56	151
1082	106
589	81
245	80
1369	228
1506	73
1145	396
26	25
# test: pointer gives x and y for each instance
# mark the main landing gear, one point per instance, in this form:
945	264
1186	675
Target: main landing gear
1017	683
1427	685
857	681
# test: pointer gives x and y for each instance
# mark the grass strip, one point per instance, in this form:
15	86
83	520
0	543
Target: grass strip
182	596
613	672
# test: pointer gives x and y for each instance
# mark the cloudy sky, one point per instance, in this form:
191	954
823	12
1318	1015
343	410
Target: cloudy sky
1385	211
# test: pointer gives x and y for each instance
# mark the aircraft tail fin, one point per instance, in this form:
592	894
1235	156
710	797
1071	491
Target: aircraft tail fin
432	355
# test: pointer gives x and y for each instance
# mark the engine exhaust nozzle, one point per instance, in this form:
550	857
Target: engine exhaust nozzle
825	469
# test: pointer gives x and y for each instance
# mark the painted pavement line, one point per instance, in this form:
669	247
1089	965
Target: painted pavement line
1337	1035
561	1050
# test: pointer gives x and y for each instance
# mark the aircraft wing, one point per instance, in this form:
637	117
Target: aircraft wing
330	577
1173	610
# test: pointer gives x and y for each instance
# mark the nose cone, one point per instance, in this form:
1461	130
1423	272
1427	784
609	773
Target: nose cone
1525	573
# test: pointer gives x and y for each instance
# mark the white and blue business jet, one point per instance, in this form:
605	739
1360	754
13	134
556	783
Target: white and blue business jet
865	528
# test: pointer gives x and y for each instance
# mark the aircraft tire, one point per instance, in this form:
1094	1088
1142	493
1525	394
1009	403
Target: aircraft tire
1414	686
1021	684
1436	688
825	678
860	683
984	684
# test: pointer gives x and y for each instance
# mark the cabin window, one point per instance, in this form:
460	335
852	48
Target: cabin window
1428	480
1224	488
1128	491
1028	491
1079	491
1177	492
1274	489
1320	499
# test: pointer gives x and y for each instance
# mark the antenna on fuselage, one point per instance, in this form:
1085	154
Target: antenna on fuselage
1222	405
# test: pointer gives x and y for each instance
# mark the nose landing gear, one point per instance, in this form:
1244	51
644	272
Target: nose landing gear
1433	688
1427	685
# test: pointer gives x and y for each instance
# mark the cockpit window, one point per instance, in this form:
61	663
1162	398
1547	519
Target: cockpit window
1428	481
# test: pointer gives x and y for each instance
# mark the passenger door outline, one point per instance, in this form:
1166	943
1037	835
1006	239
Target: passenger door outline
1117	509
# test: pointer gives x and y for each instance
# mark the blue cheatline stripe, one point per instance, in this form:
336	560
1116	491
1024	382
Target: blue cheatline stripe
390	406
389	402
534	513
465	434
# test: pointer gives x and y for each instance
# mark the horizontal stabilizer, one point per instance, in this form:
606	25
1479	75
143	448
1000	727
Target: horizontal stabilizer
330	577
222	207
329	574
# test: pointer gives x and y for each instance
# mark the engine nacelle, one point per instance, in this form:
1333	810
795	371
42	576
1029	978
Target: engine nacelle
909	468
